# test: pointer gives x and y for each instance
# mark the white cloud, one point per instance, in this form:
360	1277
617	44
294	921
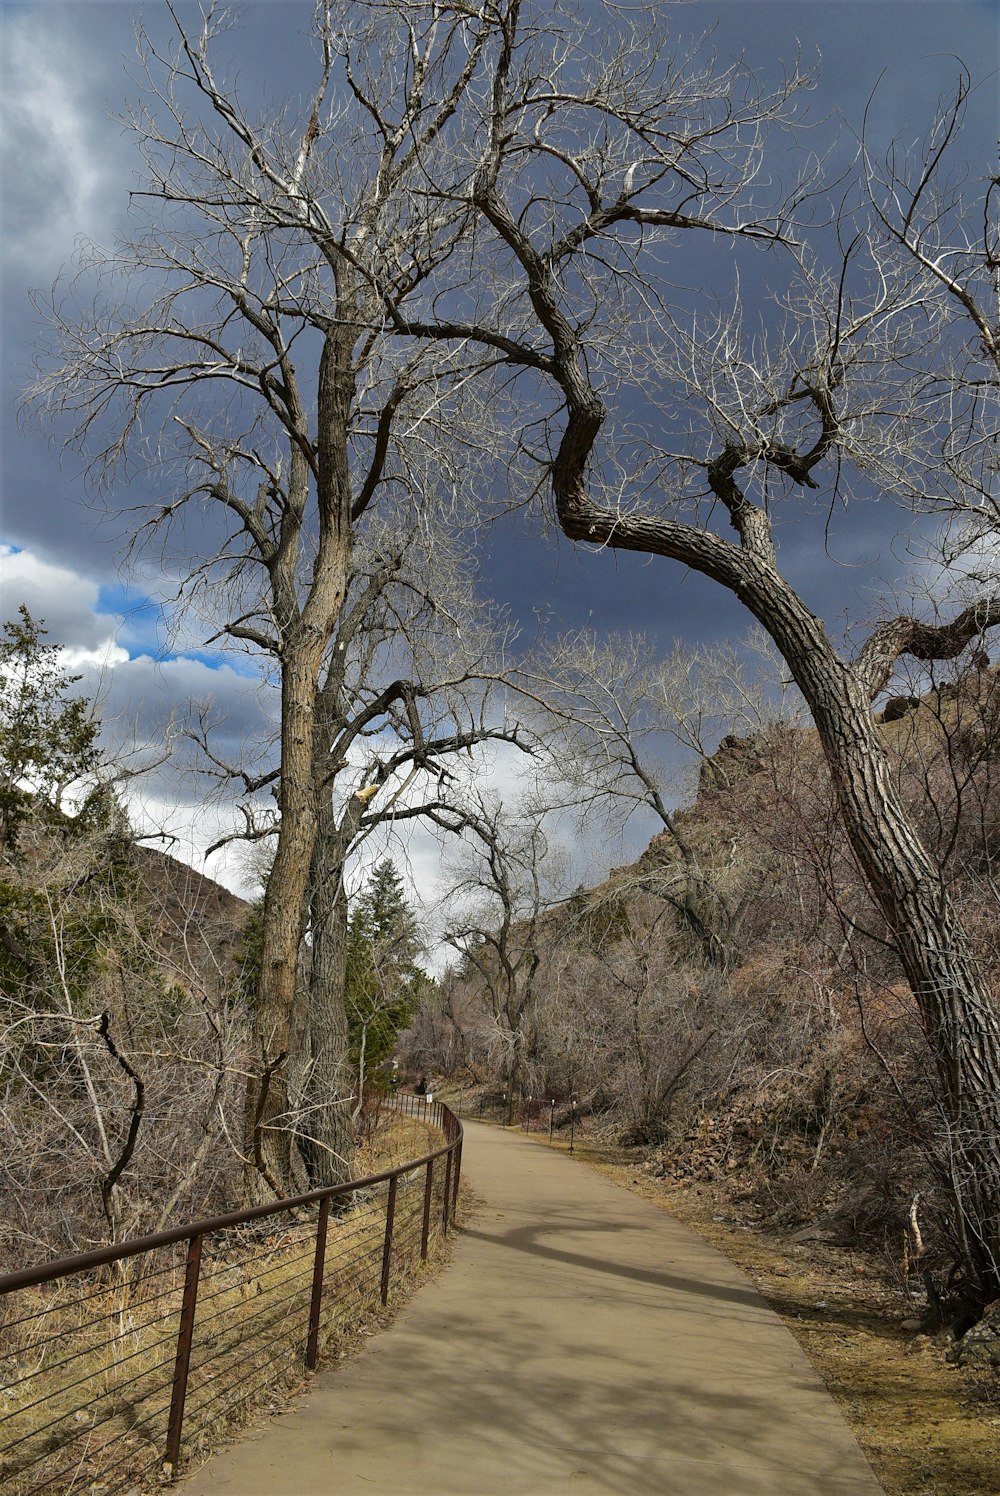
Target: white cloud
187	831
425	856
66	602
54	138
142	701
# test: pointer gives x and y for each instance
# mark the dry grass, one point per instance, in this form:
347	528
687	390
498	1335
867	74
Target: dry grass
928	1427
87	1367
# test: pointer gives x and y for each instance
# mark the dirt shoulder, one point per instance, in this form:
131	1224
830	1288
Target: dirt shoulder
929	1428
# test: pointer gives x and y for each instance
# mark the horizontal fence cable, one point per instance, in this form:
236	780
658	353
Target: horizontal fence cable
162	1347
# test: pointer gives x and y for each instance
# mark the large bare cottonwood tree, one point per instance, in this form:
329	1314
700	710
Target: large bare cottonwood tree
608	711
408	688
680	424
238	349
498	901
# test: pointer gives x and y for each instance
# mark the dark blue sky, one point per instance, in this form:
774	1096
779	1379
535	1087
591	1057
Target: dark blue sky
66	171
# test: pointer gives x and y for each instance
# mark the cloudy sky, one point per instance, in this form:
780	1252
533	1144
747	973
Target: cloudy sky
67	167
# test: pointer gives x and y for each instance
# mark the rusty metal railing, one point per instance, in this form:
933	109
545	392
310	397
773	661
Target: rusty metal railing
116	1362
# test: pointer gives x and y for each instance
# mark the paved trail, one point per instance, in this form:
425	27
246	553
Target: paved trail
581	1342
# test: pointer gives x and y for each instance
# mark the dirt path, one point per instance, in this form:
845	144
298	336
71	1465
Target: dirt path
581	1342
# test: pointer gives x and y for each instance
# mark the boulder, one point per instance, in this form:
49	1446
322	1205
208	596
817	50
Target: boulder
899	706
980	1346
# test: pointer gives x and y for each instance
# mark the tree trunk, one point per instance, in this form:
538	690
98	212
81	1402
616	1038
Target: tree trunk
959	1016
328	1100
305	632
268	1137
958	1013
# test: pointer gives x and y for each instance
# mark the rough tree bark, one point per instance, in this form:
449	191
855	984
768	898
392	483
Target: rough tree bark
328	1102
305	630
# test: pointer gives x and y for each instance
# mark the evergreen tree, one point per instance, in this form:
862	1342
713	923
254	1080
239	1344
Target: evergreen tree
384	983
47	738
58	862
117	1036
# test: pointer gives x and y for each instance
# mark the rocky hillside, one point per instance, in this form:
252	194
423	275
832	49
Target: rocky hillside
732	1002
196	924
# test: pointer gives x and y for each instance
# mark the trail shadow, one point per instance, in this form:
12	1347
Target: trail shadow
519	1373
525	1239
534	1414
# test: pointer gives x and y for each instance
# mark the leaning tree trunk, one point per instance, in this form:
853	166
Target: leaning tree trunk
959	1015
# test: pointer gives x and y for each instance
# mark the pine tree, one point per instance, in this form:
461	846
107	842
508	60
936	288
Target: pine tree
54	855
384	983
47	738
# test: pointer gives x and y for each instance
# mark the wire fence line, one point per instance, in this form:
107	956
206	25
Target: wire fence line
120	1363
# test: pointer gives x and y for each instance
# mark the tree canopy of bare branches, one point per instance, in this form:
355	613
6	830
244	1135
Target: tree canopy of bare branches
484	202
238	348
875	364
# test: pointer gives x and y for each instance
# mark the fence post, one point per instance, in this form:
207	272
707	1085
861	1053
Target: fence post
316	1302
182	1363
390	1215
458	1175
447	1195
425	1229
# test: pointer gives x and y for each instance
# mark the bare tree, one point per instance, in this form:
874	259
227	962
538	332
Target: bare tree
500	898
238	346
123	1044
843	382
439	1036
412	680
624	1015
613	714
408	689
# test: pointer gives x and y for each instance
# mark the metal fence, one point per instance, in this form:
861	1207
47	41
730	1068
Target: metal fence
117	1363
